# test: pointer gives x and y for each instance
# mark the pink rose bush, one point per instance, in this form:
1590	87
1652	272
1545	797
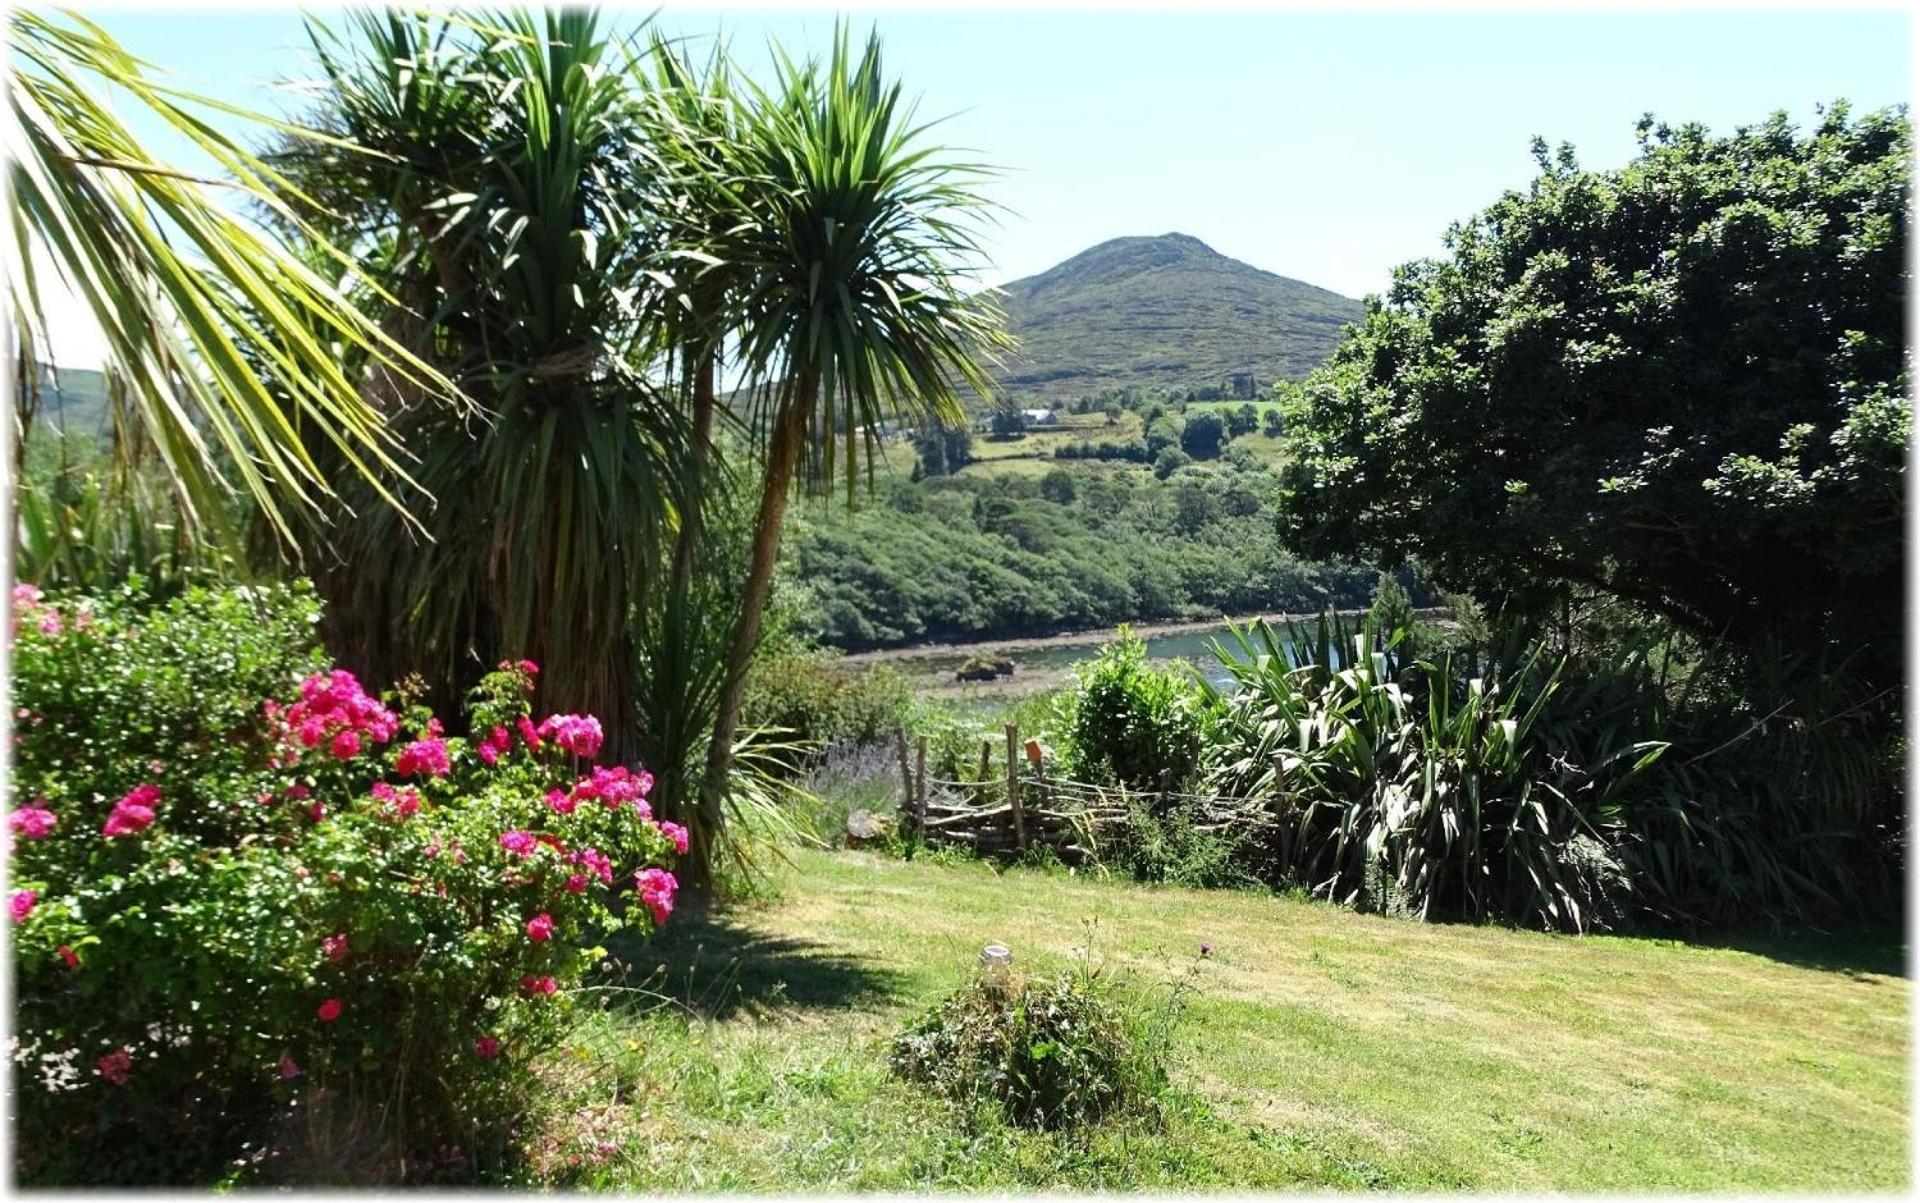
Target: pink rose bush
340	891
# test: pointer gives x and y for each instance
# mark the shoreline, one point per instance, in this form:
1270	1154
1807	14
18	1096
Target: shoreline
1018	643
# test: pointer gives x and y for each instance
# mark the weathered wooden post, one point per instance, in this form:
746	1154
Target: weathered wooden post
1166	791
906	772
920	790
1013	786
986	766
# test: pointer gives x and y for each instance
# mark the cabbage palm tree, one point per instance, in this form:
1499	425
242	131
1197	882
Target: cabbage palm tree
849	241
510	210
228	345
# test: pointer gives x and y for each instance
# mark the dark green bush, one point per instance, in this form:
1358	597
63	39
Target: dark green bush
1131	722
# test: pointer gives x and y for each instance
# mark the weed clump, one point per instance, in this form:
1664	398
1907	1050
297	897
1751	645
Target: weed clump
1052	1053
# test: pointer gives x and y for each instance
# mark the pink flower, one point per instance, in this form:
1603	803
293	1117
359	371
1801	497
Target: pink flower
115	1066
22	904
35	822
333	709
539	985
50	622
133	813
540	928
529	667
561	803
423	755
26	597
675	834
577	883
330	1010
595	862
486	1048
66	954
497	743
297	791
577	733
657	887
289	1068
402	803
529	734
335	947
520	843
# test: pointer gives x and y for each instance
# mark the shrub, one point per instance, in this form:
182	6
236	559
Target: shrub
245	891
815	696
1174	849
1131	722
1056	1052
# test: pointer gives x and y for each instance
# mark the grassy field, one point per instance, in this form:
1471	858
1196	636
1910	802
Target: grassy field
1322	1049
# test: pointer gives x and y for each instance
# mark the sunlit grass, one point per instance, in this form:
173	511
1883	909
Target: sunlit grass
1324	1048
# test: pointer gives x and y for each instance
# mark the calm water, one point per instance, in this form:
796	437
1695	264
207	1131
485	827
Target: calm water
1194	646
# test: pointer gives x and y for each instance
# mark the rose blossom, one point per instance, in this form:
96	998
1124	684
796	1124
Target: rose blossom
330	1010
657	887
423	755
486	1048
133	813
540	928
35	822
22	904
115	1066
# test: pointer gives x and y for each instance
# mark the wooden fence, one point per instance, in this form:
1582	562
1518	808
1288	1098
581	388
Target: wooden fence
1006	814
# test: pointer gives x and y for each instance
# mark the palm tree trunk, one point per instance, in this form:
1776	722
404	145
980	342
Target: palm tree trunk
783	454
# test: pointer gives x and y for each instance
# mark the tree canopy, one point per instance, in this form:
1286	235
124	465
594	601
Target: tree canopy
1681	382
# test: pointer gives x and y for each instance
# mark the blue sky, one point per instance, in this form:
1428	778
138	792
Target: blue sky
1323	145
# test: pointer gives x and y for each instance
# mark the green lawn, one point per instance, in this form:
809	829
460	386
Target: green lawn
1322	1049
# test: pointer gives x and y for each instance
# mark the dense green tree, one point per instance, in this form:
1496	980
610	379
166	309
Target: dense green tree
1202	435
1007	420
506	214
1244	420
1271	422
1681	383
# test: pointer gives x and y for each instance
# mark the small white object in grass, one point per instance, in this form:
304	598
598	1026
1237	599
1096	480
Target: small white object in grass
995	961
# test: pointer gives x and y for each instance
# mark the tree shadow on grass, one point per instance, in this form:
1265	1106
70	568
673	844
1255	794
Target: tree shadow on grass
716	966
1859	954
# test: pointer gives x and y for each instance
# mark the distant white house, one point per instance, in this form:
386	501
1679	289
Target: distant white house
1041	417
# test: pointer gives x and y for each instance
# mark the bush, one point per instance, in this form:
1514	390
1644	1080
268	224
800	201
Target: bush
1052	1053
820	700
244	891
1172	849
1130	722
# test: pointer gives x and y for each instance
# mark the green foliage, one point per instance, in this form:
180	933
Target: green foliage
976	557
1172	848
1134	724
1515	778
1059	1052
225	340
810	694
301	935
1682	382
1202	435
1442	789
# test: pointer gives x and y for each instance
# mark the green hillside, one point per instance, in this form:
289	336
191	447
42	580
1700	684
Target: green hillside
1164	312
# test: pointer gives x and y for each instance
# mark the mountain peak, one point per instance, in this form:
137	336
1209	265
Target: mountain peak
1164	310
